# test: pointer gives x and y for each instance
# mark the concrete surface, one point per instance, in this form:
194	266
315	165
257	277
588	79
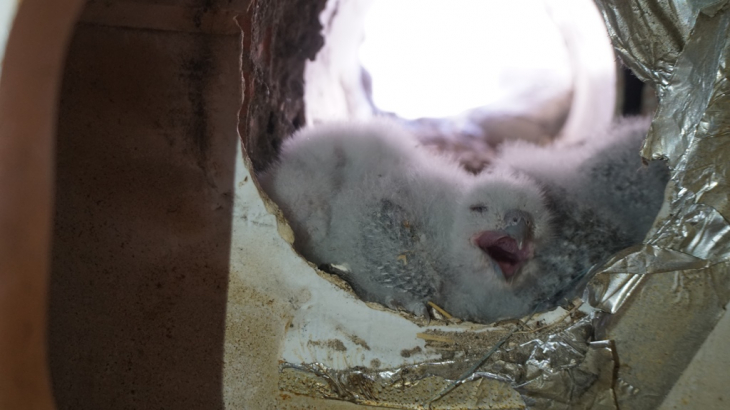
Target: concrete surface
704	383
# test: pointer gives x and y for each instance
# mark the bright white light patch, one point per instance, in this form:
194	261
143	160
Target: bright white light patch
435	58
7	12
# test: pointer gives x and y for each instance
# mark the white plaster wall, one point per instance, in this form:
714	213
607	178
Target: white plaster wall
704	384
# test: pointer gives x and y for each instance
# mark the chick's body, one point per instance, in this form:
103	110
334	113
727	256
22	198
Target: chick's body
601	196
356	198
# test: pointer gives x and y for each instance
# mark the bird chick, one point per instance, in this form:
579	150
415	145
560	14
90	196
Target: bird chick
499	223
357	196
601	197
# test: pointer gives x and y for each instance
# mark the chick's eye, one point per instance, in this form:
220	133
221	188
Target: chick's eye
478	208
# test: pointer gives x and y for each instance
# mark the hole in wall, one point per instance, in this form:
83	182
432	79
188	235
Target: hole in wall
342	84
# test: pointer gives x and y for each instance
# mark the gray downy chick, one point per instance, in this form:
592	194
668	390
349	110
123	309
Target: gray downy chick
499	224
601	197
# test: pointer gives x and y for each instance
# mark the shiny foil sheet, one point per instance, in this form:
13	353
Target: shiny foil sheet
653	304
530	365
668	294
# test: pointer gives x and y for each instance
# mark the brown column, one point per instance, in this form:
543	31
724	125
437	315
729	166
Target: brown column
28	105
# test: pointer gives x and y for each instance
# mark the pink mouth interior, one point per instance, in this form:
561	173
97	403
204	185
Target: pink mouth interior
504	250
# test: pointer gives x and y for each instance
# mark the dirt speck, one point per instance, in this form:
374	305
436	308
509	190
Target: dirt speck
410	352
359	341
334	344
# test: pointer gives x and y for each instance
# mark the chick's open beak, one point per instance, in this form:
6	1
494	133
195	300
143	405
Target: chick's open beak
510	247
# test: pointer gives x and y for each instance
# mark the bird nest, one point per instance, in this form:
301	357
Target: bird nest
336	347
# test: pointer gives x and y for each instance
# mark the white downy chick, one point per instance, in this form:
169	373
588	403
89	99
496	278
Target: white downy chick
409	227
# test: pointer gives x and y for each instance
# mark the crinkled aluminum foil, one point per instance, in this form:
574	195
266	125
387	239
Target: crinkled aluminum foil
682	48
556	369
